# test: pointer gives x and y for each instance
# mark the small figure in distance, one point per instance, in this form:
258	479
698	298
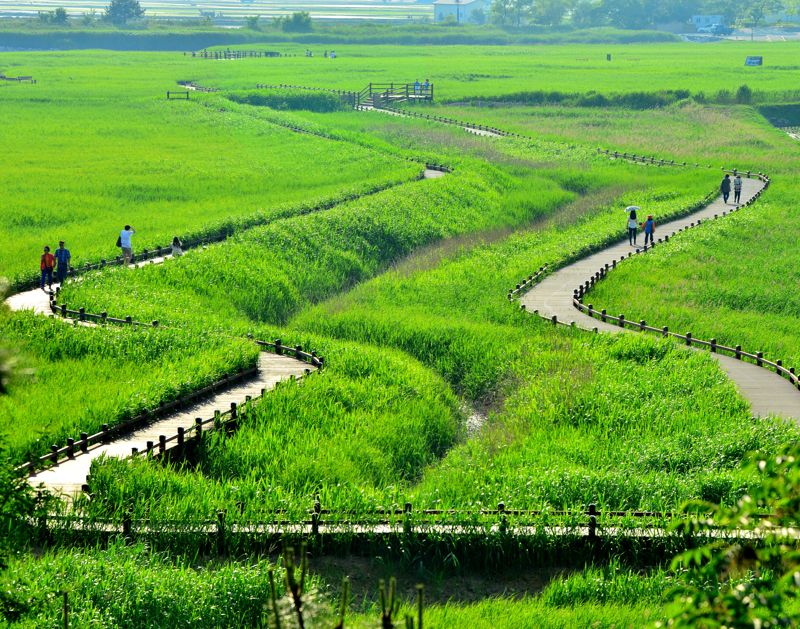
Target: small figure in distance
725	188
46	264
649	230
426	86
633	225
417	87
124	242
737	189
326	54
63	257
333	54
177	247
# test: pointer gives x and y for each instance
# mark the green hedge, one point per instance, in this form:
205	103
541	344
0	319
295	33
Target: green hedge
321	102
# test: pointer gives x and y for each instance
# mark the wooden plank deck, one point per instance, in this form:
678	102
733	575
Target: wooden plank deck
68	477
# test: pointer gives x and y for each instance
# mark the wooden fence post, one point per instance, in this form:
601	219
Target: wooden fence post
66	609
221	532
407	529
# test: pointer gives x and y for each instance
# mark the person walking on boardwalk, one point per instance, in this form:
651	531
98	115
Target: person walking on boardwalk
426	86
124	242
633	225
737	189
417	87
46	264
62	257
725	188
177	247
649	230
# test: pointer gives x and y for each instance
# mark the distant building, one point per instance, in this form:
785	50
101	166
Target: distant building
700	21
460	10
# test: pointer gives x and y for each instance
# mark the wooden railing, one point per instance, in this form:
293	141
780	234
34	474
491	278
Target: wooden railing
236	54
590	524
450	121
219	234
350	98
75	447
382	94
688	338
191	85
18	79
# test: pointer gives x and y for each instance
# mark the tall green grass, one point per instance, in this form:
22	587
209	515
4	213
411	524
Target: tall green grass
129	586
70	380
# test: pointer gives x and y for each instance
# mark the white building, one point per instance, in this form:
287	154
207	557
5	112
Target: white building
461	10
701	21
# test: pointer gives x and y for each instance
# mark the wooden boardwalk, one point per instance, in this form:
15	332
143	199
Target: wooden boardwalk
39	300
400	114
68	477
768	393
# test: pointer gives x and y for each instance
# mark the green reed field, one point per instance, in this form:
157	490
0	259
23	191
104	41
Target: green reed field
445	307
437	390
95	144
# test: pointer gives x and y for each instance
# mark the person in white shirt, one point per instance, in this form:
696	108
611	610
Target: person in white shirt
177	247
125	243
737	189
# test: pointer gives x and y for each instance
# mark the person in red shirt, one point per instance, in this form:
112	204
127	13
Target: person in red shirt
47	263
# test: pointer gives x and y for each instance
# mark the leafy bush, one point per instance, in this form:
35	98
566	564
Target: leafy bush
320	102
744	95
630	100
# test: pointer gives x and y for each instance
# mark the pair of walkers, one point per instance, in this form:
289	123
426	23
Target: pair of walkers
727	184
58	262
422	88
649	226
126	244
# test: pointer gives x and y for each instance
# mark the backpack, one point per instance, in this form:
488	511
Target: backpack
119	241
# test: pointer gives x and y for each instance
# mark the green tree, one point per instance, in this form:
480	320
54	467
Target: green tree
298	22
511	12
478	16
549	12
59	16
586	13
627	13
745	583
756	11
120	11
251	22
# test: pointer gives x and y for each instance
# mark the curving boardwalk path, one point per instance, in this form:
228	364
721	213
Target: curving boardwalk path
768	393
68	477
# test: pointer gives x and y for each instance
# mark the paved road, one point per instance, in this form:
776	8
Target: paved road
768	393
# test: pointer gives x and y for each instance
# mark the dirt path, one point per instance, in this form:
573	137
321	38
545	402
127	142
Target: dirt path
768	393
